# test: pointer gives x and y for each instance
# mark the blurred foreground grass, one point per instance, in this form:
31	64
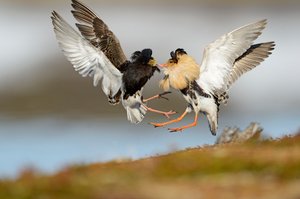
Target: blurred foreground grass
253	169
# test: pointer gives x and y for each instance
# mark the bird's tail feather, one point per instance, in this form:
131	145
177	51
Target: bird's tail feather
136	114
135	108
223	98
114	100
213	123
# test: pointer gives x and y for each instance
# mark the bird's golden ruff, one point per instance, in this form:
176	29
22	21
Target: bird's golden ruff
179	75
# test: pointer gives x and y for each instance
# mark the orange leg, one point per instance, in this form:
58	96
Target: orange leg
171	121
185	127
161	95
167	114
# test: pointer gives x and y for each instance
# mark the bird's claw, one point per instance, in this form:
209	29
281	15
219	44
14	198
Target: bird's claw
156	124
167	114
174	130
161	95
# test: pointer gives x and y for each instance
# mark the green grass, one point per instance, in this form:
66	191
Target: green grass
255	169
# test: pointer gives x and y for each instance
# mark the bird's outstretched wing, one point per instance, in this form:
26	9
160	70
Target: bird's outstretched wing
220	56
250	59
86	58
98	33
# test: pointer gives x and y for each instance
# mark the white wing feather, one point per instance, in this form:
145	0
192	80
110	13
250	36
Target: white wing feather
85	58
219	56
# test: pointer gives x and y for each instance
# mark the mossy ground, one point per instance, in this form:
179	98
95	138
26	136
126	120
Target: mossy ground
254	169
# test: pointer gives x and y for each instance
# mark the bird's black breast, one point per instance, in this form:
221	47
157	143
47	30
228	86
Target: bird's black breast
135	76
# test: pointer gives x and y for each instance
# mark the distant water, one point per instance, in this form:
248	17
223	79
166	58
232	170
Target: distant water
50	144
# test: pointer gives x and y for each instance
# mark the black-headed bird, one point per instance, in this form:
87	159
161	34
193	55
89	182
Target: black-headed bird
205	86
97	53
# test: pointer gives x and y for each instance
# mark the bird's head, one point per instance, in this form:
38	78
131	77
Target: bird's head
176	57
179	70
144	57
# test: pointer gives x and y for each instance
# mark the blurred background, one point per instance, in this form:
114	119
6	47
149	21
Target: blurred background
50	117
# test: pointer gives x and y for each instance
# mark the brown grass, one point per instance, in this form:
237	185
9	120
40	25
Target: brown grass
254	169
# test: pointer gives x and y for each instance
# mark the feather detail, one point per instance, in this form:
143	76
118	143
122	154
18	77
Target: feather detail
219	56
98	33
85	58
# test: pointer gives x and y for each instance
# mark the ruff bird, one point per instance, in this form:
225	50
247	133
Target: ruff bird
97	53
205	86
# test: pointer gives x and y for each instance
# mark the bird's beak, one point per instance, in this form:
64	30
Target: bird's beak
162	65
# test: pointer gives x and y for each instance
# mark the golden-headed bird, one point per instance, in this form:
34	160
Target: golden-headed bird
97	53
205	86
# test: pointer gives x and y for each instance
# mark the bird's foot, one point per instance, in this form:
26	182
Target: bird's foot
167	114
174	130
170	121
161	95
185	127
158	124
